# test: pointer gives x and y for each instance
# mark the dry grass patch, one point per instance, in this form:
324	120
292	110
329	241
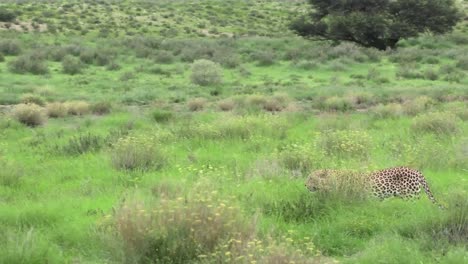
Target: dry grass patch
30	114
196	104
57	110
78	108
226	105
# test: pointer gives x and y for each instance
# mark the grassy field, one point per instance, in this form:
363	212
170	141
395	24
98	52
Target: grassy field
183	132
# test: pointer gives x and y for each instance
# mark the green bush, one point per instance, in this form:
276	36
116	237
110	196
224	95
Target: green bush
28	64
462	63
7	15
437	123
10	47
161	116
30	114
265	58
345	143
163	57
72	65
101	108
205	73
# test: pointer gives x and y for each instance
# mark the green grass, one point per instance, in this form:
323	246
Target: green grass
64	190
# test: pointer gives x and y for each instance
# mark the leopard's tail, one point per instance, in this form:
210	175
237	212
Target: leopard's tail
428	191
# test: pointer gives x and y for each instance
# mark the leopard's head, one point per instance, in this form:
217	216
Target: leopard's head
316	179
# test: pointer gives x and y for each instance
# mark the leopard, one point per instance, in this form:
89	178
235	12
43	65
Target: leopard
402	182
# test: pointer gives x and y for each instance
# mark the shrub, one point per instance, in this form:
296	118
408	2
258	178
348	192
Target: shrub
297	158
101	108
56	110
196	104
205	73
28	64
29	114
78	108
140	153
10	174
164	57
344	143
256	101
276	103
2	57
161	116
81	144
418	105
226	104
462	63
338	104
392	110
72	65
32	99
10	47
7	15
202	228
431	74
437	123
408	72
265	58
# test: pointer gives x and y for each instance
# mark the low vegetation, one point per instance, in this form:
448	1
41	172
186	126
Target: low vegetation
184	131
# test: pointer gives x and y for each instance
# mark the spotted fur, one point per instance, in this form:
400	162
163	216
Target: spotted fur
393	182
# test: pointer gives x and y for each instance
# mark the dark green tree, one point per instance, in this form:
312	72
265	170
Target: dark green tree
376	23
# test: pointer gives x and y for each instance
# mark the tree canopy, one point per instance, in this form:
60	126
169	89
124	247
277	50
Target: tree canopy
376	23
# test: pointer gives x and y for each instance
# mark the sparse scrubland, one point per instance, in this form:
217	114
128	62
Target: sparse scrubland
183	132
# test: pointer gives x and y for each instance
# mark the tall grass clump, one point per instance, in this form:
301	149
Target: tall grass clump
345	143
81	144
440	123
199	228
139	153
447	227
181	230
206	73
297	158
30	114
27	246
10	174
